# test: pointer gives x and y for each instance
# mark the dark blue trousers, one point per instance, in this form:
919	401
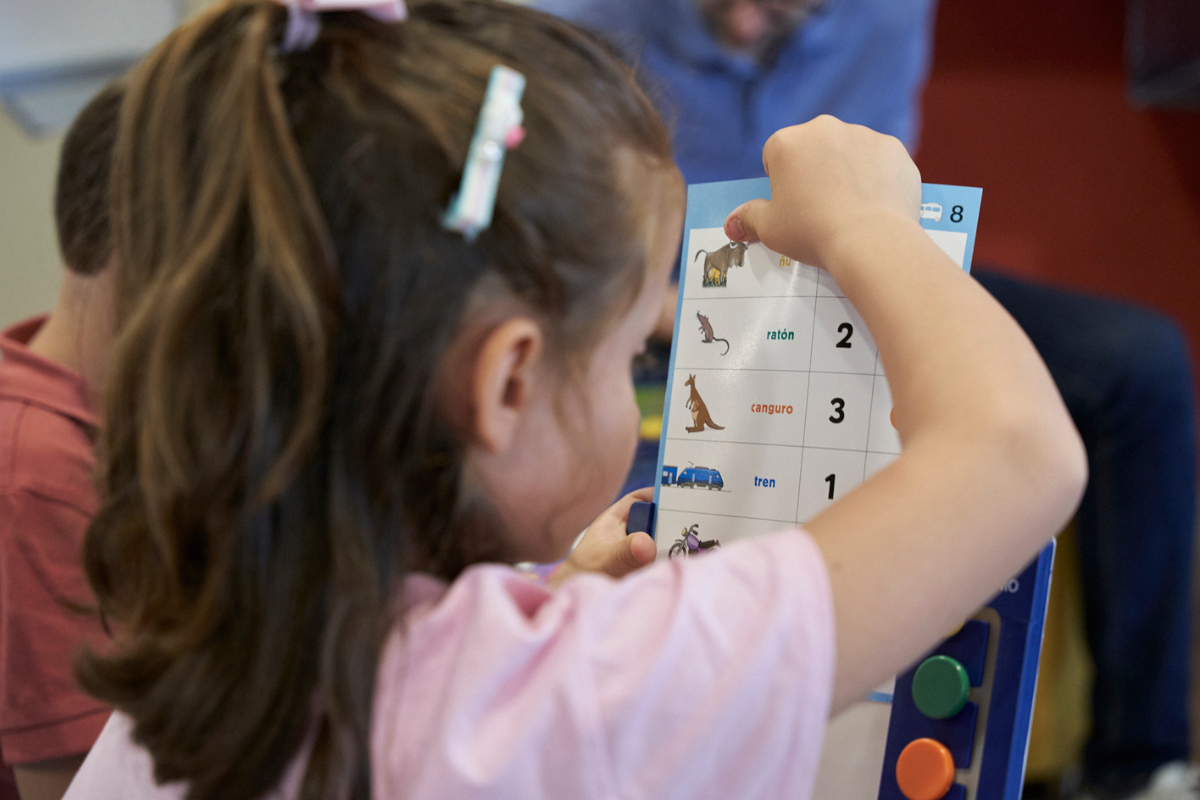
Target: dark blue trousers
1126	377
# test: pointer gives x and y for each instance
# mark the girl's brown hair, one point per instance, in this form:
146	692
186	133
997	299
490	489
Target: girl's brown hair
275	459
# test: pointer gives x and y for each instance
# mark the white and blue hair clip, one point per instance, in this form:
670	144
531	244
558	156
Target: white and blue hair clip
498	130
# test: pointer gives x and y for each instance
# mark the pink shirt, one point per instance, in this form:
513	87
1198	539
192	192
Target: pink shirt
709	678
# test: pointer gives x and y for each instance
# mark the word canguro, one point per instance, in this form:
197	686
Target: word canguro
781	334
763	408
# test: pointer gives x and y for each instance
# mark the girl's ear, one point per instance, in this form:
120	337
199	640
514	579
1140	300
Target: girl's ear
503	380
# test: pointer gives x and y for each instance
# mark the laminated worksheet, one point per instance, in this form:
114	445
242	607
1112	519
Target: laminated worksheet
776	406
776	401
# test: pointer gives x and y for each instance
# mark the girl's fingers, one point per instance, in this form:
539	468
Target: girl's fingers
620	509
635	551
743	223
642	548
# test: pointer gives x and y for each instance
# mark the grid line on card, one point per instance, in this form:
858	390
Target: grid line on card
784	444
812	340
870	416
831	372
841	449
748	296
719	297
767	369
731	516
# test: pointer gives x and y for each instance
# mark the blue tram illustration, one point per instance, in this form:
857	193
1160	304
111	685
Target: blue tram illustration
693	477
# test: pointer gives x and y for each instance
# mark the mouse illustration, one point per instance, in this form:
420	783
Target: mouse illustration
707	329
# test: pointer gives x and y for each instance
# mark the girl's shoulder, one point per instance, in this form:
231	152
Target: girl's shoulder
496	681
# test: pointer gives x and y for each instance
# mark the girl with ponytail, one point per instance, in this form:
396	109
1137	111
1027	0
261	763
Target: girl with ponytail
334	420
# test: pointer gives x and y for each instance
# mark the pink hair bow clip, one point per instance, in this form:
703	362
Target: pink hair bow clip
304	21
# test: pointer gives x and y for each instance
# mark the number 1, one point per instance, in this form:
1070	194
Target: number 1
831	479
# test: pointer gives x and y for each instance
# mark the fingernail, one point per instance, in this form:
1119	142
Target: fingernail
733	228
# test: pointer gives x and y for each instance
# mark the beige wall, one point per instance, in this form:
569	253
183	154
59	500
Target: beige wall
29	263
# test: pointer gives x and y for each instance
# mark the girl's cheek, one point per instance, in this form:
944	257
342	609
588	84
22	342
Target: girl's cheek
632	421
635	413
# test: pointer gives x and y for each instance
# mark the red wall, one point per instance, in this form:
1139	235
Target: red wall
1028	100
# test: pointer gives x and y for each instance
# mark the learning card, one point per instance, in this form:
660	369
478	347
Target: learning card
776	405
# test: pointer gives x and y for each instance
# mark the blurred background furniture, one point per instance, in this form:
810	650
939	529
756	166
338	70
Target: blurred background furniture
1162	41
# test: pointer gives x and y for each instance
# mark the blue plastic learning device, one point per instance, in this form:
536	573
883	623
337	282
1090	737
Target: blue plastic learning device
957	722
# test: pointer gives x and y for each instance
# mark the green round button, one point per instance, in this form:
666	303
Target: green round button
940	687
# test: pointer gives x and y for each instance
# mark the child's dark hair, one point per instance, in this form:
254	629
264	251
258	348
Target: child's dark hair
274	459
81	188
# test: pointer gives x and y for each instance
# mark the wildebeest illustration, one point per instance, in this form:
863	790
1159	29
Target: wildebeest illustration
718	262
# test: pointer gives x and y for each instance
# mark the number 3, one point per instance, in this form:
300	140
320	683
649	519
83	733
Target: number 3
839	414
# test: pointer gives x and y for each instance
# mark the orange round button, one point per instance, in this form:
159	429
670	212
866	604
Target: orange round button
925	770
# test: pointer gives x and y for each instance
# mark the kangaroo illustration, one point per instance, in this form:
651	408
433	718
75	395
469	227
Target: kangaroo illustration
718	262
707	329
700	415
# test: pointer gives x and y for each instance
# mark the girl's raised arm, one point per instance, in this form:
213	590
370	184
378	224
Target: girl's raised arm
992	466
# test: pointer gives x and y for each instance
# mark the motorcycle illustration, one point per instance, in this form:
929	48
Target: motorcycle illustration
689	543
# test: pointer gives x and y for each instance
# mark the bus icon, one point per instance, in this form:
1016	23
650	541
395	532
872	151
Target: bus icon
931	211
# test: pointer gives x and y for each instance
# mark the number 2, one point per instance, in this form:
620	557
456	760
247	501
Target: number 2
956	214
831	479
848	329
838	410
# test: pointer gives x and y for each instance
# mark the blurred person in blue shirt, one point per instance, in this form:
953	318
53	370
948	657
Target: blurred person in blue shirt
729	73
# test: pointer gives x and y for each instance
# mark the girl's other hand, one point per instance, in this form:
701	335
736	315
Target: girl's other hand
827	177
606	548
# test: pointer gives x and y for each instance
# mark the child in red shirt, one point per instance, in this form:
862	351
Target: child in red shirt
49	404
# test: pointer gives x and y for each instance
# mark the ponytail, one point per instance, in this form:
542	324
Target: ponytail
222	209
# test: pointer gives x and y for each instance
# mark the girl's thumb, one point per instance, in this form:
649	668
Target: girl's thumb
743	222
636	551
